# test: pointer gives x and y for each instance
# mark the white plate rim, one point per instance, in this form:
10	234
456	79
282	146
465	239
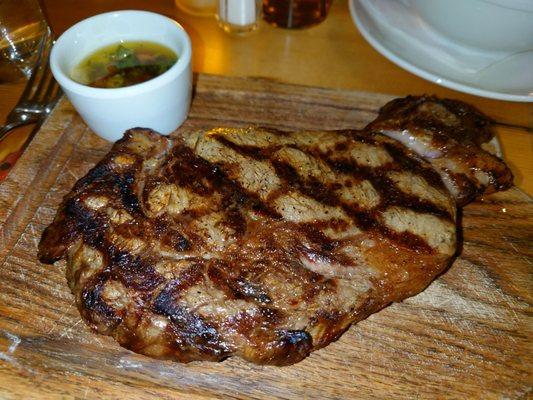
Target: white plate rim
430	76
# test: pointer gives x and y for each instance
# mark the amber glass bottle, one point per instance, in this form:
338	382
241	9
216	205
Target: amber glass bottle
295	13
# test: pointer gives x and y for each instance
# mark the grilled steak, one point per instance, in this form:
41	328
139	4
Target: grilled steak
252	242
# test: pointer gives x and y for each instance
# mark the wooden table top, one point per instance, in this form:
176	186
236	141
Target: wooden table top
332	54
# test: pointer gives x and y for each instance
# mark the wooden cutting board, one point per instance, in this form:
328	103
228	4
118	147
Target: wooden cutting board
467	336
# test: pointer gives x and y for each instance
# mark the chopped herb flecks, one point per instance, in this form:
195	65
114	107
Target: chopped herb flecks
124	64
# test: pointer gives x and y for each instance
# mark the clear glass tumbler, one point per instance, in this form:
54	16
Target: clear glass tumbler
295	13
22	28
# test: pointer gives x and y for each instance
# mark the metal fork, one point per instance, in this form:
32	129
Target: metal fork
39	96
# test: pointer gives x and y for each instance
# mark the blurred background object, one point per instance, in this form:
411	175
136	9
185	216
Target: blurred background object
474	46
295	13
199	8
239	16
494	25
22	29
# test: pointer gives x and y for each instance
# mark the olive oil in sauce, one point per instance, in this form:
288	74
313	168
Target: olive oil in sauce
124	64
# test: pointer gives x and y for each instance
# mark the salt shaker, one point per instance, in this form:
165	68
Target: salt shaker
239	16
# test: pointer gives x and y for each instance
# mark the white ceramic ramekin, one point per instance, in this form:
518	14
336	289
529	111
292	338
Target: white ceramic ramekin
161	103
497	25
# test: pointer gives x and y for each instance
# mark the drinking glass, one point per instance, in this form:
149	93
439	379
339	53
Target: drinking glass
22	29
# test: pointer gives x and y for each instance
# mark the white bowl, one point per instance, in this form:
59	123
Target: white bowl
497	25
161	103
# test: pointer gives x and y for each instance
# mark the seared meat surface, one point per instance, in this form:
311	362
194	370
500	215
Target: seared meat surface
454	137
252	242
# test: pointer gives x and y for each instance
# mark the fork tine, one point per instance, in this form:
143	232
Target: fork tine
52	95
45	83
55	99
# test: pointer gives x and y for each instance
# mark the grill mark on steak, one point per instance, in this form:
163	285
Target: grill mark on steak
190	171
105	176
99	173
80	221
407	239
168	235
95	309
198	169
257	153
191	276
389	194
406	161
124	183
235	221
367	220
320	248
133	271
313	232
392	196
235	288
188	328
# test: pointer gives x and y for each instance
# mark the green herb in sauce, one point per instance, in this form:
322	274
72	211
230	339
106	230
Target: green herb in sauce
124	64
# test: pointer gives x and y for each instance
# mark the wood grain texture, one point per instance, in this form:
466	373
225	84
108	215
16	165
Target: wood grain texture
467	336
